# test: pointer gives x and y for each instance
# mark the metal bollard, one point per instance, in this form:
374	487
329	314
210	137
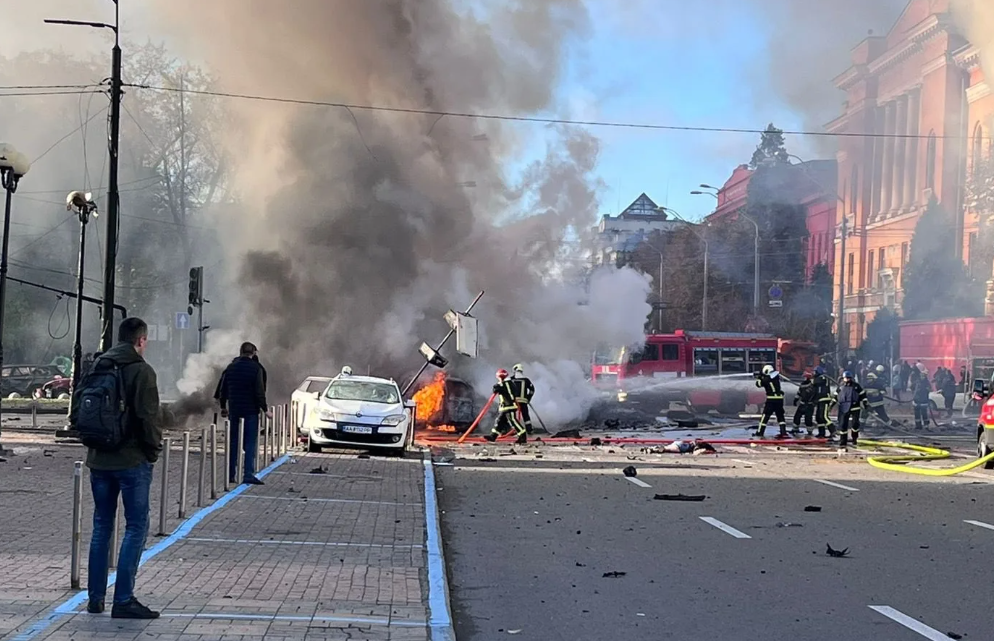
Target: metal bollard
213	461
202	477
266	428
184	473
77	523
280	427
115	532
164	492
240	452
227	455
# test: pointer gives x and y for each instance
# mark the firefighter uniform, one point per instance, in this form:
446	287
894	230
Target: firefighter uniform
851	397
875	389
921	400
822	394
523	393
769	380
805	402
507	410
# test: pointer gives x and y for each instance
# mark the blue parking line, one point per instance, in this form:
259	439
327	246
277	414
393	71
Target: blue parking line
71	605
440	619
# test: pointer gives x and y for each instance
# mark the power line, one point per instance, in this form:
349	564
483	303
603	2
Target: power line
533	119
41	87
46	93
60	140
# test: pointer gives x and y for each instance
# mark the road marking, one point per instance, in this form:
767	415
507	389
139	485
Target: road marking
638	482
440	616
727	529
981	524
291	498
911	624
404	623
838	485
318	543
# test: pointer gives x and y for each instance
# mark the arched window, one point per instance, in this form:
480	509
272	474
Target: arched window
853	189
978	147
930	161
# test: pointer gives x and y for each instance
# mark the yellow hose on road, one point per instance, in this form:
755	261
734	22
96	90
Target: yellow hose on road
895	462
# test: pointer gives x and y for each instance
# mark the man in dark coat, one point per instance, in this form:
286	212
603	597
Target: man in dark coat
242	395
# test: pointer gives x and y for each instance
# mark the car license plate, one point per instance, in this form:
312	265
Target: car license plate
357	429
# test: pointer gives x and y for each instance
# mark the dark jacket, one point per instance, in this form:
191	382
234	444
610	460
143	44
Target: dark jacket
875	389
505	396
822	389
770	385
242	389
523	389
805	393
142	398
922	389
850	397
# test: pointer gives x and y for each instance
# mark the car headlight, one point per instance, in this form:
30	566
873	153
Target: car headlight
393	420
332	417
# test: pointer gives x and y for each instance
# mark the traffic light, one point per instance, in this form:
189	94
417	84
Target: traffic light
196	297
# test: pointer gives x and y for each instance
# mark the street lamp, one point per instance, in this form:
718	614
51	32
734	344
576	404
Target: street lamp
83	205
704	302
13	166
660	284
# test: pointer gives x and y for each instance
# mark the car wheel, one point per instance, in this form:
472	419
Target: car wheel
14	396
313	447
63	396
984	448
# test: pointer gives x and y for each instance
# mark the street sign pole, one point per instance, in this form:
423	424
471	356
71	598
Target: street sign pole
452	331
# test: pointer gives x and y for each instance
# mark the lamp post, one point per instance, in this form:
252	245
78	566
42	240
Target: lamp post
83	205
13	166
659	310
755	285
691	226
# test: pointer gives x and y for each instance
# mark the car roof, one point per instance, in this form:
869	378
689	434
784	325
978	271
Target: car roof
366	379
318	378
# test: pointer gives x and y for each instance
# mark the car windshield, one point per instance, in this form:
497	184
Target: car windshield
362	391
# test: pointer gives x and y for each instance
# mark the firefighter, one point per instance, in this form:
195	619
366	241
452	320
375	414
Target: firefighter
523	393
921	400
507	411
851	398
822	394
346	371
769	380
875	388
805	402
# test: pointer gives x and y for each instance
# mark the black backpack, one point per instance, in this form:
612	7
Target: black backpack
102	415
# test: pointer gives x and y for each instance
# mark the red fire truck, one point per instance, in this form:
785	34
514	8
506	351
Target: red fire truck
686	354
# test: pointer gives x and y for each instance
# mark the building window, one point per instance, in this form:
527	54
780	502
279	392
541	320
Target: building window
871	276
904	260
853	190
930	161
852	273
978	147
881	262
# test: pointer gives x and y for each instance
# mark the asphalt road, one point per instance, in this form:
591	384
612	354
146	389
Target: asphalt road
527	545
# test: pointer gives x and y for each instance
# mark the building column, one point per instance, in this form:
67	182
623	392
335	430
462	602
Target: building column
900	153
886	198
874	177
911	163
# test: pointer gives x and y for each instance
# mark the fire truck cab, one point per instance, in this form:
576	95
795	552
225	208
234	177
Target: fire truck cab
985	424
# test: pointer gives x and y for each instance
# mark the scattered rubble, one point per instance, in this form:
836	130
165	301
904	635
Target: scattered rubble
838	554
812	508
567	434
679	497
630	471
613	575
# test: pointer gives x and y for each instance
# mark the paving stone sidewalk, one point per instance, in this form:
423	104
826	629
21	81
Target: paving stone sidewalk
308	556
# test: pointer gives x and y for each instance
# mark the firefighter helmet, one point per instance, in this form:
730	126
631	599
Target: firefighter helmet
847	374
501	374
881	369
819	371
518	368
346	371
767	369
870	376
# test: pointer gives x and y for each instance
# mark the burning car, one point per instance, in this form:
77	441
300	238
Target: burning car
445	404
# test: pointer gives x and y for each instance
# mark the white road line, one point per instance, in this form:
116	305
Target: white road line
404	623
838	485
291	498
911	624
314	543
981	524
638	482
727	529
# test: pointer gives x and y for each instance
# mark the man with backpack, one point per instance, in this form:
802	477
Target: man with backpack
242	395
115	412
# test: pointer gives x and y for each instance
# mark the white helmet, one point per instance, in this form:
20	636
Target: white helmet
881	369
518	368
346	371
767	369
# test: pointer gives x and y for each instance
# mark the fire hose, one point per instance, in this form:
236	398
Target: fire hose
896	462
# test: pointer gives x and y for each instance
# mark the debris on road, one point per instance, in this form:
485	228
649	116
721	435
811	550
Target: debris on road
594	442
630	471
953	635
567	434
679	497
363	456
581	565
787	524
838	554
613	575
612	423
812	508
318	470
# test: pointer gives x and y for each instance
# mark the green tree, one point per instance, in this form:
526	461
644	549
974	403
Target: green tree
936	284
980	200
771	149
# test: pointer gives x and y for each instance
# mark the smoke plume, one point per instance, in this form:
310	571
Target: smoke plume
976	18
357	230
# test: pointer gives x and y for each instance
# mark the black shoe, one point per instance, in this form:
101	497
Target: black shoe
522	439
133	609
758	434
251	480
95	606
782	435
490	438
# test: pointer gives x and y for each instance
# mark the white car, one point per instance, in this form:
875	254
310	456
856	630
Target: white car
358	411
305	400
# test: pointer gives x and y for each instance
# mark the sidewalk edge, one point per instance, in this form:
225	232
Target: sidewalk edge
440	613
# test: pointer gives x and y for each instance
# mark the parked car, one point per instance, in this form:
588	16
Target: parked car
59	388
985	425
21	381
358	411
304	401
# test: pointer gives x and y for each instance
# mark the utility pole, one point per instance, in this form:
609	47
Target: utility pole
842	329
84	207
113	193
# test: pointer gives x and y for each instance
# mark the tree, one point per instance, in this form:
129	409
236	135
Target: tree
883	337
980	200
771	149
936	284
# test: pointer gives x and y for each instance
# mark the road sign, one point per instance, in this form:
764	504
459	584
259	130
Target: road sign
182	320
775	292
776	303
467	342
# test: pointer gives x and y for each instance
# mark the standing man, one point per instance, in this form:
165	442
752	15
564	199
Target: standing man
769	380
242	394
523	393
115	411
507	411
805	402
921	400
851	398
823	401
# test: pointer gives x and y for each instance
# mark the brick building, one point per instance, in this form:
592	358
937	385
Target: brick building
919	91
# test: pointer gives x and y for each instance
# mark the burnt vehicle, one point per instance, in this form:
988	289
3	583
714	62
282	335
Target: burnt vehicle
21	381
58	388
445	404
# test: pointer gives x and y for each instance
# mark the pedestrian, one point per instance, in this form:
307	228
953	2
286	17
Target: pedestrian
507	411
769	381
851	397
875	388
115	411
242	395
948	390
962	379
822	394
905	377
805	402
921	401
523	393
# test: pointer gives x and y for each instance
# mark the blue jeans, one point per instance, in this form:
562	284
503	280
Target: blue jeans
251	446
132	486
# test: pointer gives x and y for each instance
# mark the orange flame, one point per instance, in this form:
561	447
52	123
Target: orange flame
431	403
